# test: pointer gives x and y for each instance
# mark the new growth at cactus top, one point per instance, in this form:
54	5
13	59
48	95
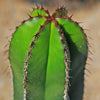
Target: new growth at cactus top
47	56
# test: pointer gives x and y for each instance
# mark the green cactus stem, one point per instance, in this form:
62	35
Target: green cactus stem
48	56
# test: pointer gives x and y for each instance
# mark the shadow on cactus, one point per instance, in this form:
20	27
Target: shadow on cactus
48	56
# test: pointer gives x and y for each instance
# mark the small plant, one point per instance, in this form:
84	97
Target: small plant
48	56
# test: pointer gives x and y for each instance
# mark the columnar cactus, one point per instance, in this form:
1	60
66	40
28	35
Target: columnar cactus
48	56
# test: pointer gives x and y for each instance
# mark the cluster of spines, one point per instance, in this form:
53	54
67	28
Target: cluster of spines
57	10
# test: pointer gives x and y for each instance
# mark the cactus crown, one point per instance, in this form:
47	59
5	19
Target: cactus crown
45	52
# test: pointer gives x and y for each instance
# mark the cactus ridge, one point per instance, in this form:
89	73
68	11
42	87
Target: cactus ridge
43	29
29	54
65	50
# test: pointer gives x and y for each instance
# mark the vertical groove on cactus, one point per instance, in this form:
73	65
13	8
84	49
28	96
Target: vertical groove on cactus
48	56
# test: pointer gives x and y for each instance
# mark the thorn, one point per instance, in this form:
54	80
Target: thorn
23	22
41	26
90	58
76	22
37	35
33	8
42	7
46	21
60	31
62	8
49	19
56	23
6	45
63	41
39	15
54	20
16	27
57	9
60	16
87	29
80	22
88	70
65	51
69	83
69	77
70	17
67	60
29	53
90	52
53	14
28	14
37	7
32	44
31	17
82	29
47	11
69	69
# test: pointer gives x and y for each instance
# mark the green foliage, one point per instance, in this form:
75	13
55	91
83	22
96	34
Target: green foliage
45	52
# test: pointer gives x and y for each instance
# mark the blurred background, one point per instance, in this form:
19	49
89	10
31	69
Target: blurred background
86	12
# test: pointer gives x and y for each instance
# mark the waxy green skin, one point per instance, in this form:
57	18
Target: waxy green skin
45	51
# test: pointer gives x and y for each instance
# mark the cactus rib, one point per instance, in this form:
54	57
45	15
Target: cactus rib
29	55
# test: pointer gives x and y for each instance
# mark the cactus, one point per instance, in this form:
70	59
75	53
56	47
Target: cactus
48	56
